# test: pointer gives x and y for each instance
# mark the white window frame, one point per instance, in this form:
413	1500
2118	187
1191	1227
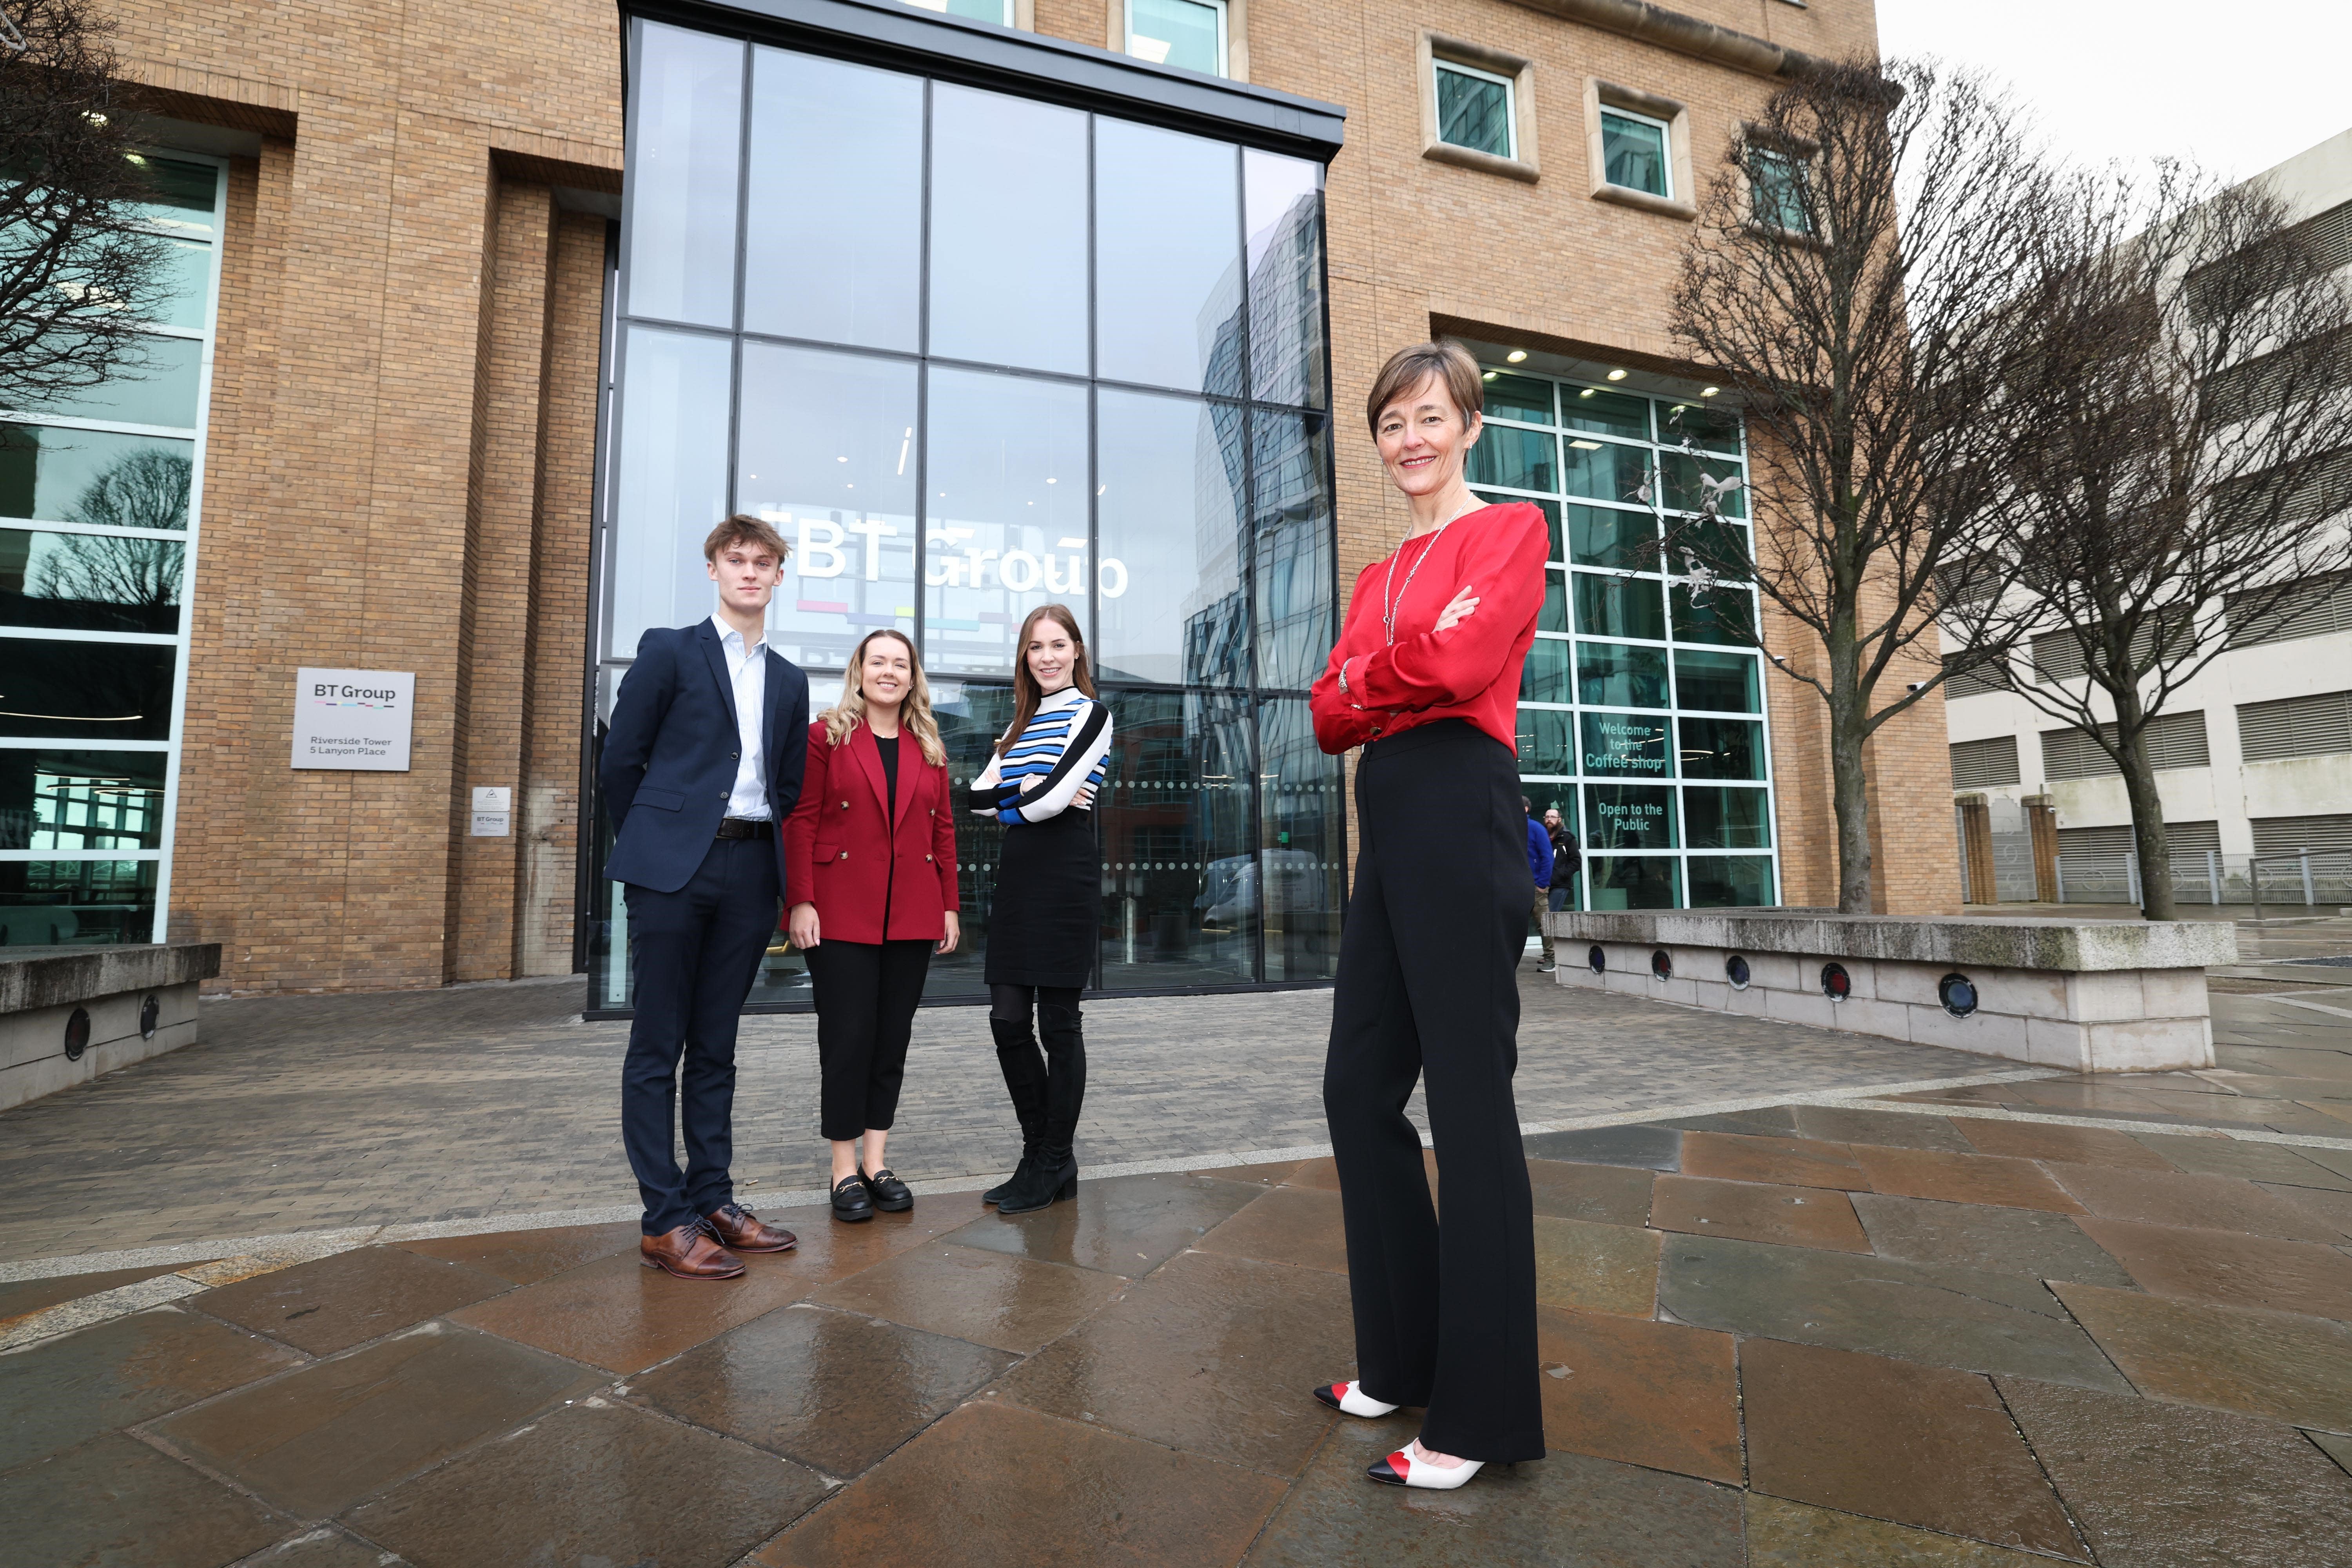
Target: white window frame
1223	9
1510	103
1666	129
1011	17
1475	60
188	538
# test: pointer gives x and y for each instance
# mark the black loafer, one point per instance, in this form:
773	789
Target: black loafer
890	1194
851	1200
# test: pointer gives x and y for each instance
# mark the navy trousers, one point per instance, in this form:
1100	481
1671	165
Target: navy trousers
1444	1298
697	951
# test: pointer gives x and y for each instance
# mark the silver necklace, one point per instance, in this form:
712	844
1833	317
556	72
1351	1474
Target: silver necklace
1390	605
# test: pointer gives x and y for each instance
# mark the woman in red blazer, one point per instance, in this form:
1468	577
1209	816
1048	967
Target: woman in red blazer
869	853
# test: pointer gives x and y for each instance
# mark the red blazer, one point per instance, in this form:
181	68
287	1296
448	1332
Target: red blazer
841	855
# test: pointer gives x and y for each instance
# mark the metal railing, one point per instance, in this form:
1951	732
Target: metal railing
2307	878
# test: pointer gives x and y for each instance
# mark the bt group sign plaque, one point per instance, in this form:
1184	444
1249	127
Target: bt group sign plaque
354	718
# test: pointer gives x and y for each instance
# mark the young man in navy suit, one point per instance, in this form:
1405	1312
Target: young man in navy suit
702	764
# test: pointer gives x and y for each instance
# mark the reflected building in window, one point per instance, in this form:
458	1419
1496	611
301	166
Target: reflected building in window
973	348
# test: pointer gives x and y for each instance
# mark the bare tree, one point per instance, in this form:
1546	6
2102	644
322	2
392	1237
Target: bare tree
2189	459
1840	281
79	268
131	574
143	490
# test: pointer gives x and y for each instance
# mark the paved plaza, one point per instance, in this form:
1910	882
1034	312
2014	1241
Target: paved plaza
1895	1306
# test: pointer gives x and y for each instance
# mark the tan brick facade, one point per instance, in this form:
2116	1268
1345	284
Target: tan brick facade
403	415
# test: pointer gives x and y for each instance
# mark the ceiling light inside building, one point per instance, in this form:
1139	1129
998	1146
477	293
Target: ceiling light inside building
1490	375
1587	392
1616	376
1516	357
1708	390
1586	445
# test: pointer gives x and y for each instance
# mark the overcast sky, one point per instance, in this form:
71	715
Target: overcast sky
2237	86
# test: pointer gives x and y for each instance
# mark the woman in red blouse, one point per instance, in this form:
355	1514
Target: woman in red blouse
1426	680
869	856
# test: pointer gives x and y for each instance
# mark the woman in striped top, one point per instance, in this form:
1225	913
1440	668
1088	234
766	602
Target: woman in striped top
1046	920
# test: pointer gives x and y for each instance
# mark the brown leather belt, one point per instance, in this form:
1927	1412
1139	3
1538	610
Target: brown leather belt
744	827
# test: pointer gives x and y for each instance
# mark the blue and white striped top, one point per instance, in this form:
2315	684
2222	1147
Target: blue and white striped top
1063	753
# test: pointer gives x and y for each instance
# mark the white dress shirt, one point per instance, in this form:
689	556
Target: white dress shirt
748	668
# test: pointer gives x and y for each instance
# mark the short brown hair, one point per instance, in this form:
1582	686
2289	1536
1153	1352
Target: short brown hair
745	529
1408	368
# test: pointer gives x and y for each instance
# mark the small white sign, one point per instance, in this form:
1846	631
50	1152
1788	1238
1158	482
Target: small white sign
354	718
493	811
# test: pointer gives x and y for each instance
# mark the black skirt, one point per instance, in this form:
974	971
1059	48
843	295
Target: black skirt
1045	924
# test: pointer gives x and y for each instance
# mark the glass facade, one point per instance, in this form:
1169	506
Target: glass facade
1642	706
973	353
99	500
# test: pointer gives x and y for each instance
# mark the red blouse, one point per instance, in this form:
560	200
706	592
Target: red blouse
1471	671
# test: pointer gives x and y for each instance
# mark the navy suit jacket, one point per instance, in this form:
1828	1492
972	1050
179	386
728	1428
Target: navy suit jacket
670	754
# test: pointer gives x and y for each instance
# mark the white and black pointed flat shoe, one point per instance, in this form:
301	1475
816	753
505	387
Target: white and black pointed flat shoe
1350	1399
1405	1469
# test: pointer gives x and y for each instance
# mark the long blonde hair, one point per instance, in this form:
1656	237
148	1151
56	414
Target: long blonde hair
914	712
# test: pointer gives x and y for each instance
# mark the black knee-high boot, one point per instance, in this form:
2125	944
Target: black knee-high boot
1025	1080
1054	1173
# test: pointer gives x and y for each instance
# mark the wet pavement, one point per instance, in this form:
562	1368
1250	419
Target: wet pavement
1978	1325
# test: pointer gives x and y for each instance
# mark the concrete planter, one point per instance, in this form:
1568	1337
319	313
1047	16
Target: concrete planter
44	1049
2084	995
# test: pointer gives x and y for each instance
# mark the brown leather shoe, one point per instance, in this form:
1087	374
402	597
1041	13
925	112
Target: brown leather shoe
744	1231
689	1253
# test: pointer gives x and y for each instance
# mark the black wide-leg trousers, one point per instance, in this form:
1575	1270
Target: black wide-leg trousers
1444	1298
697	951
866	998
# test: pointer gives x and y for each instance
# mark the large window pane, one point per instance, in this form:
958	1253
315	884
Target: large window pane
1522	459
1181	33
88	582
670	480
1167	259
1282	198
1630	816
99	691
157	383
1177	856
1685	480
184	199
833	229
1518	397
1602	413
1716	616
972	716
1602	536
1553	615
95	477
1619	606
1727	818
1632	882
82	800
1633	150
1725	682
1303	844
1005	520
1606	471
1618	675
188	271
685	148
1546	740
1171	478
1544	677
1294	540
827	454
1626	745
1008	230
1722	748
76	902
1474	110
1730	881
1714	430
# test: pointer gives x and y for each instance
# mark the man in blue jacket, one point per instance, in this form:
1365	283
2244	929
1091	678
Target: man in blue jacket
1538	865
702	763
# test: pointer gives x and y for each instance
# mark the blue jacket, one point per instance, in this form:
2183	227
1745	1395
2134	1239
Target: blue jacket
670	754
1538	853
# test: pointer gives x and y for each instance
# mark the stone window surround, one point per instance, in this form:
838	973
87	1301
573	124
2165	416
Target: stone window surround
1600	95
1115	15
1801	153
1435	46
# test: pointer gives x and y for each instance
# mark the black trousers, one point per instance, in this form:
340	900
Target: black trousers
1444	1300
697	951
866	997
